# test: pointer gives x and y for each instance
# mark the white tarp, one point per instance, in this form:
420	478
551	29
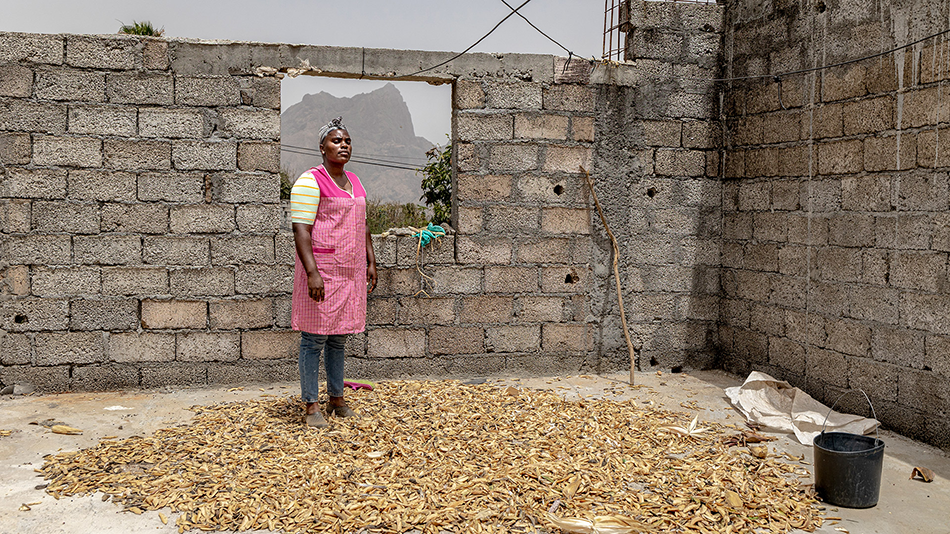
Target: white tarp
776	405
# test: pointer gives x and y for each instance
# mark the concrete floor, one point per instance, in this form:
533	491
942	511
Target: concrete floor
905	506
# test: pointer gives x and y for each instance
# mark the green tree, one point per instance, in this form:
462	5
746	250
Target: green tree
437	183
141	28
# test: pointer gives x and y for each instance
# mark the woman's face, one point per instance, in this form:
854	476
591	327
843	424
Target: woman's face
336	147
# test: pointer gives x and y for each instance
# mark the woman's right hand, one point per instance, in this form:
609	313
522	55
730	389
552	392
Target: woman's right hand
315	286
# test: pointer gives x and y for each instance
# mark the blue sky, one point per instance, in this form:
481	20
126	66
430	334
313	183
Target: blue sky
443	25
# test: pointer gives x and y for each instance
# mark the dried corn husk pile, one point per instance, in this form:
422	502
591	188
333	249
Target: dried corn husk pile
442	456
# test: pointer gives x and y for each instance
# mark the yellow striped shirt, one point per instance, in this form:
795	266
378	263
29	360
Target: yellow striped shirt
304	199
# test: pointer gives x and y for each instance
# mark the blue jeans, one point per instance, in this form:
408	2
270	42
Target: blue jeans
311	345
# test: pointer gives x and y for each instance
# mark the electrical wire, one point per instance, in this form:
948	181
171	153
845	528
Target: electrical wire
383	158
515	11
460	54
354	159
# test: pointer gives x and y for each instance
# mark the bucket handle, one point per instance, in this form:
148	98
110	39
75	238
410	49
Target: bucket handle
842	396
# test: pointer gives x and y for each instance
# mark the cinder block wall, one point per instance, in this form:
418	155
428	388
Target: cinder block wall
836	228
657	161
141	229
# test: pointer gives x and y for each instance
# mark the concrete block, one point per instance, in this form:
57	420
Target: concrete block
787	355
240	187
207	91
540	309
34	183
513	338
872	303
509	220
898	346
456	340
101	185
175	250
203	281
263	92
107	249
251	124
870	192
565	221
565	279
258	156
568	97
380	311
202	219
15	280
69	348
16	81
65	217
46	379
263	279
242	249
885	154
99	119
921	270
937	355
468	157
838	264
923	107
486	309
104	377
768	320
33	48
542	126
394	281
441	251
506	95
204	155
70	84
284	250
71	281
15	148
33	314
269	345
451	279
566	337
848	337
137	154
924	390
385	343
426	311
98	52
840	157
15	349
567	159
468	95
582	129
941	232
258	218
26	116
482	250
171	123
925	312
923	191
67	151
254	372
929	154
509	279
843	82
134	218
138	281
171	187
911	231
851	230
512	158
241	314
470	220
673	162
174	374
208	347
754	196
103	314
879	380
548	190
482	126
166	314
869	115
131	347
38	249
140	88
827	366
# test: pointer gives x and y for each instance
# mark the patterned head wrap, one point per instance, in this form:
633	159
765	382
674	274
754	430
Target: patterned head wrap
335	124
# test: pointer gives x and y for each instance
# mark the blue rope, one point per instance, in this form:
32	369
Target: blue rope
426	235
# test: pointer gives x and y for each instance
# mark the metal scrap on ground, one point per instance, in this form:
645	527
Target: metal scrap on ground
442	456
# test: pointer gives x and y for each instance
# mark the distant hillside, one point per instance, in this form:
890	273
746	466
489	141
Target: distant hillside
381	127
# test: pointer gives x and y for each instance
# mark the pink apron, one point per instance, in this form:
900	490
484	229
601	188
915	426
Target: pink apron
339	248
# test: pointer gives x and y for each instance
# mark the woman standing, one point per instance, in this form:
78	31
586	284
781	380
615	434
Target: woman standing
335	267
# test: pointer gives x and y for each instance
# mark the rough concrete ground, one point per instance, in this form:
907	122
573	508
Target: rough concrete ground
905	506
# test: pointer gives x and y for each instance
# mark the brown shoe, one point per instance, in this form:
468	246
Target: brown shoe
340	411
316	420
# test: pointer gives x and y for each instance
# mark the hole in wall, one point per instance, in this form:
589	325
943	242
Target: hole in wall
651	192
653	362
821	6
20	319
558	190
393	126
571	278
677	369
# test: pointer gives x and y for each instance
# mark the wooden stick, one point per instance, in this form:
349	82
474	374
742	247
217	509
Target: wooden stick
616	249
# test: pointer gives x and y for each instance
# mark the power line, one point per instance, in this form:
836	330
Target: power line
393	159
460	54
538	29
354	159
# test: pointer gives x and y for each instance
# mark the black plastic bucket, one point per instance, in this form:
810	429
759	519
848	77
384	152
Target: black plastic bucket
848	467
